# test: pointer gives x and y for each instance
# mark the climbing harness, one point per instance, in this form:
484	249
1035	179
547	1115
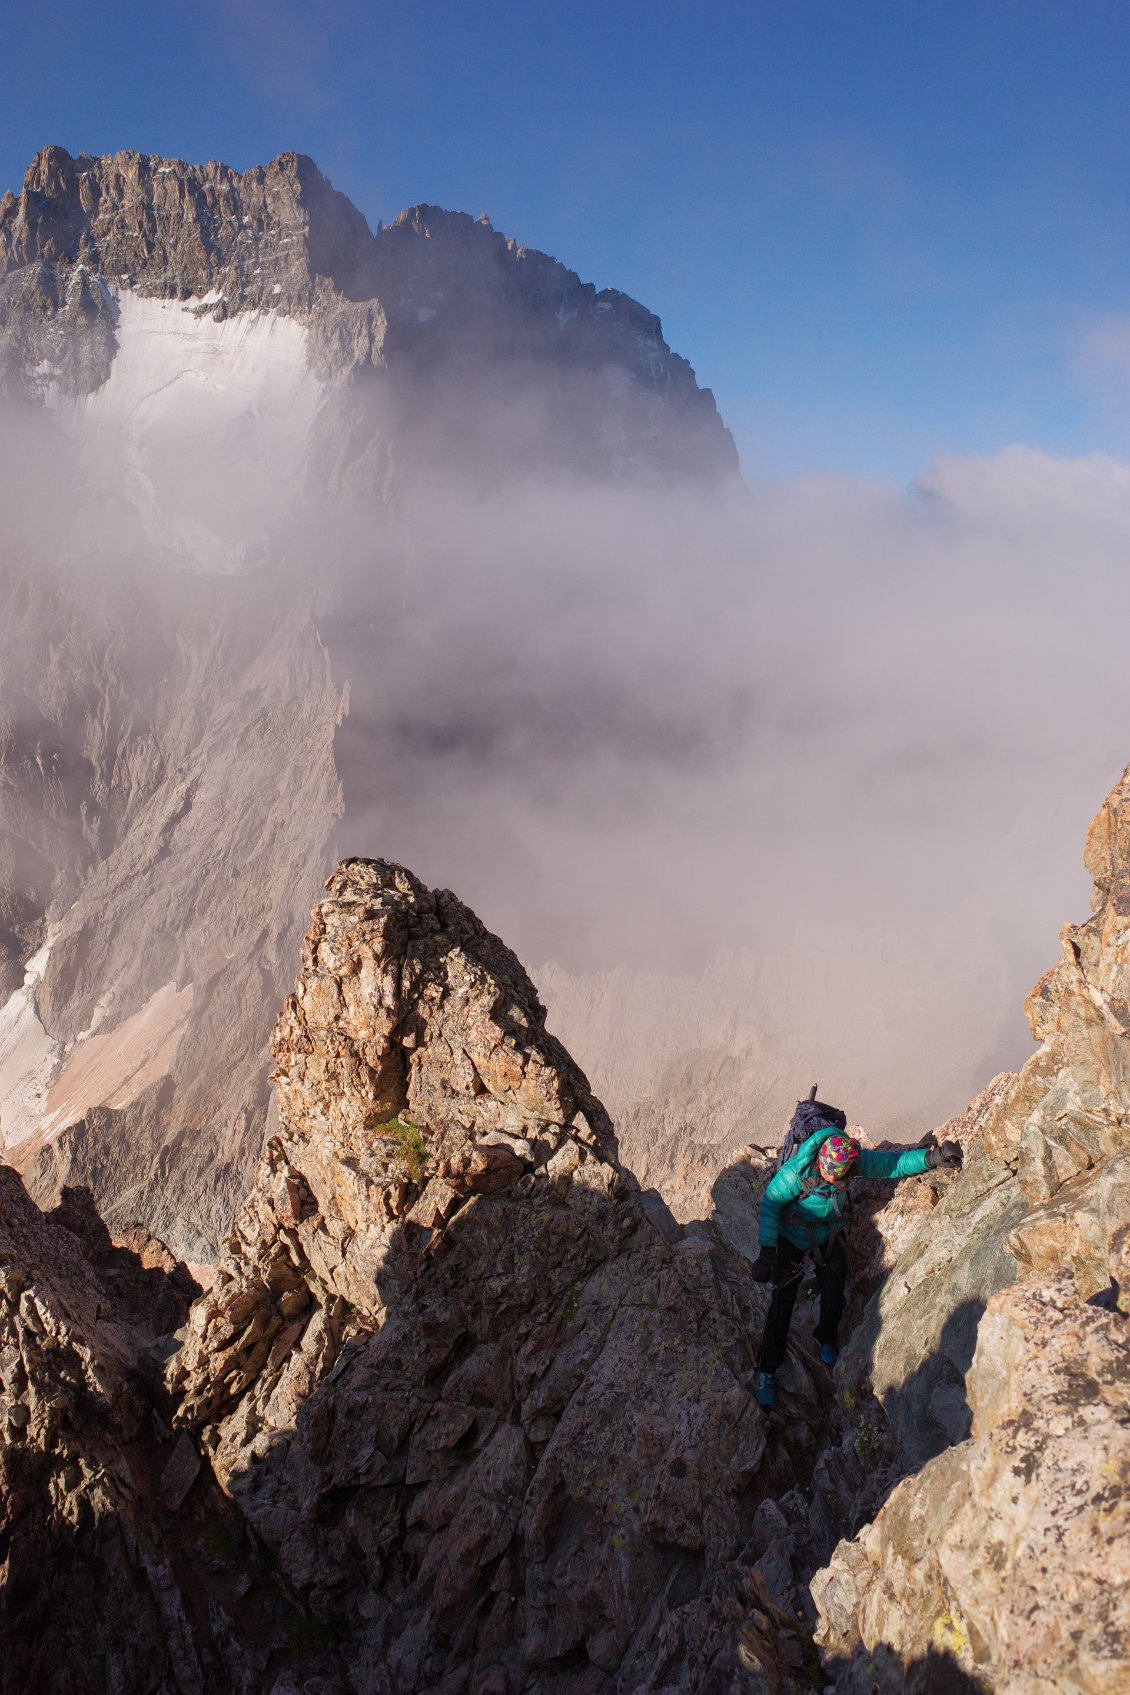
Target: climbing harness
817	1255
813	1184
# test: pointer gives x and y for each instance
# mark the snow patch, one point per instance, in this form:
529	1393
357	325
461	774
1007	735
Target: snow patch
47	384
28	1056
201	429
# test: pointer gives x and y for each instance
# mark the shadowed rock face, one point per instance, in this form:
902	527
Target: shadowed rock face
1000	1348
116	1556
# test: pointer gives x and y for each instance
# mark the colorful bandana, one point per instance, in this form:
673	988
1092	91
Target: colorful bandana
836	1157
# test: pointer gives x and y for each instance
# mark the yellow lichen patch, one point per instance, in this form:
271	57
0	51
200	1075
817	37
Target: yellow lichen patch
949	1635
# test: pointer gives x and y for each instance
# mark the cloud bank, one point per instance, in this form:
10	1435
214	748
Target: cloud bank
849	734
829	747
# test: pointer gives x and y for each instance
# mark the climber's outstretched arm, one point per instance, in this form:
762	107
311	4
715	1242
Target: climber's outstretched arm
910	1162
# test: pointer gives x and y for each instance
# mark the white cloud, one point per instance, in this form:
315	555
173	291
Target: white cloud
850	730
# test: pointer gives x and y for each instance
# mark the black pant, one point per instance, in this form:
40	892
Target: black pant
831	1277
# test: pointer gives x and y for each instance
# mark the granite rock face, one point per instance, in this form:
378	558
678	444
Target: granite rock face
182	230
1008	1550
488	1406
463	1409
999	1349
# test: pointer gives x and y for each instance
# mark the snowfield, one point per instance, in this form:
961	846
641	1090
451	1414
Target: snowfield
200	431
28	1057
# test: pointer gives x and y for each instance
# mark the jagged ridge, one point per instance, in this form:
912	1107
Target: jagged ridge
488	1407
454	316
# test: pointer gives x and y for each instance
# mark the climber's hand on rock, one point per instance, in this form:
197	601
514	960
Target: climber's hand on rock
949	1156
763	1265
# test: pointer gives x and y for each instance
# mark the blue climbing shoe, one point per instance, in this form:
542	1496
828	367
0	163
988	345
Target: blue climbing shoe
828	1354
766	1391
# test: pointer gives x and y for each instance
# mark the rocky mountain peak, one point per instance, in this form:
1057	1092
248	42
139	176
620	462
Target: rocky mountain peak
177	230
421	978
464	327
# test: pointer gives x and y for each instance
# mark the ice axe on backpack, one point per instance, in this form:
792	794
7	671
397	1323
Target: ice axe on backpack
810	1115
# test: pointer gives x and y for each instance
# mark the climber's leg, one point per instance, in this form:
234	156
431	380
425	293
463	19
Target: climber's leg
831	1279
787	1274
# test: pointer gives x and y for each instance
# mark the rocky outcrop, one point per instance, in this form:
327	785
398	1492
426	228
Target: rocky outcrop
470	1411
118	1559
488	1406
999	1350
1008	1551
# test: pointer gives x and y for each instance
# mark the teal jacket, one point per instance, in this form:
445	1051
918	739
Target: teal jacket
817	1210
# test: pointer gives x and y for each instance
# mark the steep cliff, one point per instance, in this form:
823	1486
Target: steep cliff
999	1348
169	786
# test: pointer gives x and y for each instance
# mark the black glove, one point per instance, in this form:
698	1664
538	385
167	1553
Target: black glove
763	1265
948	1155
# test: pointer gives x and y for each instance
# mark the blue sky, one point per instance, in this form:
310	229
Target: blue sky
881	230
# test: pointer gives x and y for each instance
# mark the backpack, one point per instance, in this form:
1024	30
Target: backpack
810	1115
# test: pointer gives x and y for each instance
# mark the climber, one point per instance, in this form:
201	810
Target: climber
804	1212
